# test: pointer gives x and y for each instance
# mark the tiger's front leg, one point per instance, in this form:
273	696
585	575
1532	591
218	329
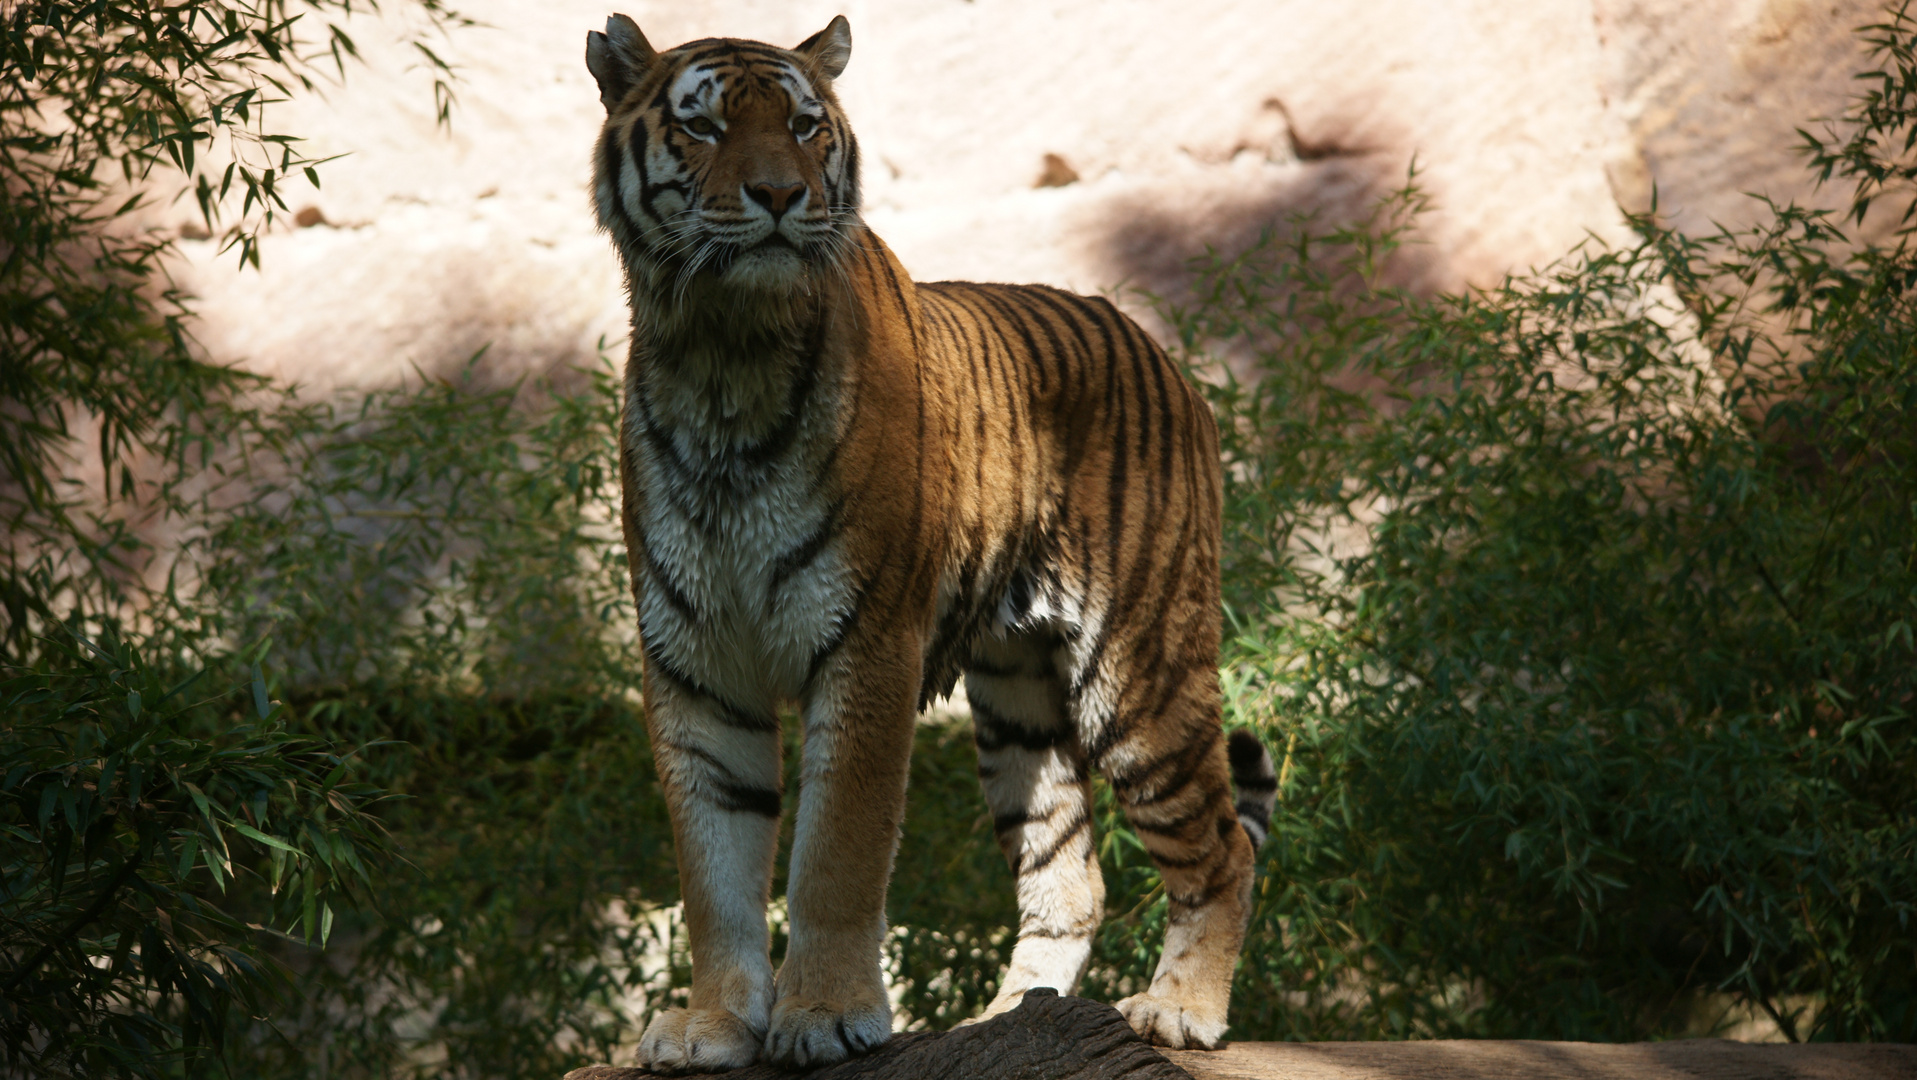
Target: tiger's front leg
719	765
831	1001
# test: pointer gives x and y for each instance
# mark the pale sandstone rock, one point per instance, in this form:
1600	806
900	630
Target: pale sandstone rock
1188	124
1712	93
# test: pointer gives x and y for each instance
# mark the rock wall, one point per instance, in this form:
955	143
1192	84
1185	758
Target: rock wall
1183	125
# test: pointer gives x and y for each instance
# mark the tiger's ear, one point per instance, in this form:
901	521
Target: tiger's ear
618	58
827	51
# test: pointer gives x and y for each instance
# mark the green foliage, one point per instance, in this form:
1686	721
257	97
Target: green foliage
441	570
1580	609
102	107
133	806
442	535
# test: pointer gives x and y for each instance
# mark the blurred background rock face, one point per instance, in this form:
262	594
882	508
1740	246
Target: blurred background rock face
1085	143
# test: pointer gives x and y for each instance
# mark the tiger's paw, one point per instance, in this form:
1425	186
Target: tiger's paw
697	1040
1165	1022
808	1032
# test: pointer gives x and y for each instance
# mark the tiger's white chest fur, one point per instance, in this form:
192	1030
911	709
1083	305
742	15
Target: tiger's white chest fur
749	579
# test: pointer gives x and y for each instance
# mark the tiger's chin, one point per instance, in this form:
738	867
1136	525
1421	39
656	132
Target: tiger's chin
767	268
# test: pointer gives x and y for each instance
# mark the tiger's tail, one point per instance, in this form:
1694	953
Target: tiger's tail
1255	783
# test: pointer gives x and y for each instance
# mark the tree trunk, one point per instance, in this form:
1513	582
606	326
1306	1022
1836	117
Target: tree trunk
1492	1059
1068	1038
1046	1038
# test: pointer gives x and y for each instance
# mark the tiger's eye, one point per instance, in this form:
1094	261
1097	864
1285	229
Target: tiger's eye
803	125
699	125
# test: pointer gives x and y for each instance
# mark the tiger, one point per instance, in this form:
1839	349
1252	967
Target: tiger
842	491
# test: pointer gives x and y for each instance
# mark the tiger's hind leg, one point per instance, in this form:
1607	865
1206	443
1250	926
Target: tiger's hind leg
1179	800
1147	706
1039	789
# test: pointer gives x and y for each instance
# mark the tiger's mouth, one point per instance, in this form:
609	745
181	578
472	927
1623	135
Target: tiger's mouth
774	263
721	252
776	245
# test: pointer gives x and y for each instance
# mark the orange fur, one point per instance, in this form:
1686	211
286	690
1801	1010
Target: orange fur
846	490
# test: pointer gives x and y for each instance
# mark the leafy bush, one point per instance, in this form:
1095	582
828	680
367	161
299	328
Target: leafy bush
440	570
131	805
1587	641
101	107
130	808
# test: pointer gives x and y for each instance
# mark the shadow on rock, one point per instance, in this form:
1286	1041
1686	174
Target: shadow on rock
1156	242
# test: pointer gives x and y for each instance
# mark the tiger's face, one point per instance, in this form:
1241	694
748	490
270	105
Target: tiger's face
724	160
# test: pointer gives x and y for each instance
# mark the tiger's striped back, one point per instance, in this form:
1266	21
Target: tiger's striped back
1083	612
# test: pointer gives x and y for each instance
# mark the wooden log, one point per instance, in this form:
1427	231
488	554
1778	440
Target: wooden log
1682	1059
1069	1038
1047	1037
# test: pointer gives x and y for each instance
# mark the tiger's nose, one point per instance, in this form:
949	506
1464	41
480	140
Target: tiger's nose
774	197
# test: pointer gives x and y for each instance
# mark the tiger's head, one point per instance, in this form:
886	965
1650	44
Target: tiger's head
724	162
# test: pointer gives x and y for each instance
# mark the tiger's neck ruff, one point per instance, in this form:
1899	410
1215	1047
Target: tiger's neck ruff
845	490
